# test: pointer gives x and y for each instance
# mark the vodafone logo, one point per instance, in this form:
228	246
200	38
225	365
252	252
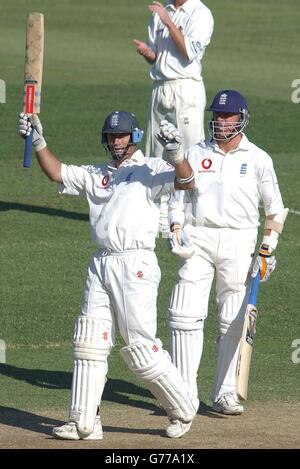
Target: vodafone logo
105	180
206	164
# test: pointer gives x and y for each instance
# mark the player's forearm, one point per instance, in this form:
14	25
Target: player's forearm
150	60
148	54
267	232
49	164
175	32
273	228
145	51
184	176
178	38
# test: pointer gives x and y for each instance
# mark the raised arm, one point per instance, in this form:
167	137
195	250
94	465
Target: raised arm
175	32
48	162
171	140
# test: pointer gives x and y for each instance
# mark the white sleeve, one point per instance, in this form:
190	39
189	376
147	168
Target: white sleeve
162	180
269	189
152	33
198	34
74	181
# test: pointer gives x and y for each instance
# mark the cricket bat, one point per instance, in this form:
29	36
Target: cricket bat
34	54
246	343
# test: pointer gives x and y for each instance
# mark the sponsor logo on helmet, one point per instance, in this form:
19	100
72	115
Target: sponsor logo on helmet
223	99
114	122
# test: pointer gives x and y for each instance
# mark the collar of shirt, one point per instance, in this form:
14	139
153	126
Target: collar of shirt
137	157
244	145
188	6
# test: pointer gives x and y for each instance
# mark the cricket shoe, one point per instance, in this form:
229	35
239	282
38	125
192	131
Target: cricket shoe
228	404
69	431
177	428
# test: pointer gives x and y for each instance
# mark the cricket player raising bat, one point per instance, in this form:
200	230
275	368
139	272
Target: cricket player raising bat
123	275
220	218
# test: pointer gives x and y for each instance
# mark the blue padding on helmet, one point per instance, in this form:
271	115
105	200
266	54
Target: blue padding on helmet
137	135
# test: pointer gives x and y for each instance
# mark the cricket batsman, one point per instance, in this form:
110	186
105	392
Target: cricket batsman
123	275
214	231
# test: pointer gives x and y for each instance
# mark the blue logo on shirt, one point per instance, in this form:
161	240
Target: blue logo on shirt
128	177
243	169
197	47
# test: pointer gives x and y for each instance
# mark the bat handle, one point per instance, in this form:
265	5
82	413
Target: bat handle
27	151
254	289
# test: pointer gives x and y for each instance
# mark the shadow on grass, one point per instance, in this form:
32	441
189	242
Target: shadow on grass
6	206
116	390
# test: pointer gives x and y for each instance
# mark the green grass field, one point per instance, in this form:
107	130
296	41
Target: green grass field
90	69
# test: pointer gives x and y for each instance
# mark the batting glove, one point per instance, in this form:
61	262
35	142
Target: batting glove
180	243
27	125
171	140
263	263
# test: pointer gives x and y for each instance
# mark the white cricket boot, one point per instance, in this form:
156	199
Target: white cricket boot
177	428
69	431
228	404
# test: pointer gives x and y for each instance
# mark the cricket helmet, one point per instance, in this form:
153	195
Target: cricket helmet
229	102
122	122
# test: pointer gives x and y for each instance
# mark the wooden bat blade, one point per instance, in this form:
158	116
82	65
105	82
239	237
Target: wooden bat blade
34	54
246	347
246	343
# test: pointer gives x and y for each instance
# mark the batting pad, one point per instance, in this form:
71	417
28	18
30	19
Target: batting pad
153	366
91	347
186	322
231	324
186	351
186	307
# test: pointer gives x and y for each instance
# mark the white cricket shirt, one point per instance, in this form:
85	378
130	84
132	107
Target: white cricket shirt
229	187
196	23
122	202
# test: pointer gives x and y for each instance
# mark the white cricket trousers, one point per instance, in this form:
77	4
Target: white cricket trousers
226	254
121	289
181	102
